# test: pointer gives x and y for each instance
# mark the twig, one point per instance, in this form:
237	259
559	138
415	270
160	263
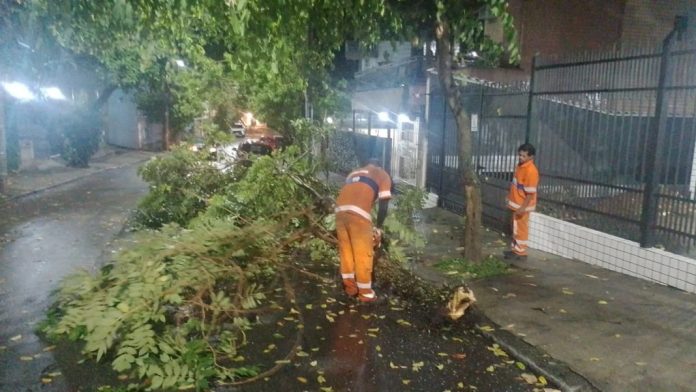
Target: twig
298	339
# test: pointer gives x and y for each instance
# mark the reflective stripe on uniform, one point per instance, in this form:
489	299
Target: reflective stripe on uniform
367	285
348	276
355	209
358	172
516	206
385	195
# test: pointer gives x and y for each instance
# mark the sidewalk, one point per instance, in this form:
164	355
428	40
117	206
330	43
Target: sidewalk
620	333
50	173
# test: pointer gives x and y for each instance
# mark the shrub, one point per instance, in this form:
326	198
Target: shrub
181	184
81	137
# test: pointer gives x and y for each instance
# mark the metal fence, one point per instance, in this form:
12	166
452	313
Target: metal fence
358	138
615	134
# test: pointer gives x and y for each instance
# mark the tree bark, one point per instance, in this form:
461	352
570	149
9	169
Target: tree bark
469	178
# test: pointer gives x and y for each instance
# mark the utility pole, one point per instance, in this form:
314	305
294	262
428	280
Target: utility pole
3	145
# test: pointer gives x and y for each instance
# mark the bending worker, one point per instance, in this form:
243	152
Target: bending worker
522	199
356	236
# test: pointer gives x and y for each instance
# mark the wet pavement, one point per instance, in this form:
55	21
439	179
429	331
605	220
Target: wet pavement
42	239
390	346
343	346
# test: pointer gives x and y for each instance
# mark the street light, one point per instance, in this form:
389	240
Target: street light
19	91
53	93
383	116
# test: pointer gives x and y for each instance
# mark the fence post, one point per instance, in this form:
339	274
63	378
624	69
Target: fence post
530	100
656	143
480	129
442	151
353	121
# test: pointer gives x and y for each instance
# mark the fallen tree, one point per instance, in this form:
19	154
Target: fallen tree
178	308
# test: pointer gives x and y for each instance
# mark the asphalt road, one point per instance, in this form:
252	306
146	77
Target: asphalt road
43	238
347	347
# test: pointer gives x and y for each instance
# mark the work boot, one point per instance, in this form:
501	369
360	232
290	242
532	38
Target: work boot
369	297
350	287
510	255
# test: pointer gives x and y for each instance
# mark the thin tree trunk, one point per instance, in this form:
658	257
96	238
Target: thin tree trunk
470	181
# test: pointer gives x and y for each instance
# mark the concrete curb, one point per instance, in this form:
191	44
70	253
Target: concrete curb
534	358
70	181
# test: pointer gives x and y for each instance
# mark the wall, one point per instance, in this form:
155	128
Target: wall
617	254
651	21
122	121
554	27
400	52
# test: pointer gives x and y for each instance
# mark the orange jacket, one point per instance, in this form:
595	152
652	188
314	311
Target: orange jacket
524	183
362	188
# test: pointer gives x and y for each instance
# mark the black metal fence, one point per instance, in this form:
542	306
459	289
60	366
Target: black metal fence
615	134
358	138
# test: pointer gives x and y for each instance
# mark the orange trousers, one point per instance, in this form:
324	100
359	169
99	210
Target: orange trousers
520	233
355	247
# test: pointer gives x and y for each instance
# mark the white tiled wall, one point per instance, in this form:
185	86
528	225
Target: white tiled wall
594	247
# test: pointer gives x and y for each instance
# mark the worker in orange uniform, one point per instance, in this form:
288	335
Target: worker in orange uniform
356	234
522	199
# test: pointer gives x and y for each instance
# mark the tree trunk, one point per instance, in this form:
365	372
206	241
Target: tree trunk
469	178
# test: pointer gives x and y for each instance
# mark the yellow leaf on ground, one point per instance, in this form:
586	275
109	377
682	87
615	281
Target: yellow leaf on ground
282	361
46	380
602	302
406	382
562	310
460	385
487	328
443	354
302	354
567	292
302	380
521	365
313	363
416	366
308	306
16	338
490	369
26	358
55	374
403	322
326	389
440	366
373	329
529	378
122	377
594	359
49	348
542	380
641	363
592	276
391	365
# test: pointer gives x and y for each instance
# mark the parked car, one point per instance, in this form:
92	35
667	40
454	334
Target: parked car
238	129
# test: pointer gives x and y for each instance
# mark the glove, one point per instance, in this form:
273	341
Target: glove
376	237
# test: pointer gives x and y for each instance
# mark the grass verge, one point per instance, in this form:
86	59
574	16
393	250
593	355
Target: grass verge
490	266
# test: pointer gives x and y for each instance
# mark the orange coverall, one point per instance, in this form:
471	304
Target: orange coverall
524	184
354	226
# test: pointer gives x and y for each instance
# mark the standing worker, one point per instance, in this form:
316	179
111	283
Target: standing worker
356	235
521	200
